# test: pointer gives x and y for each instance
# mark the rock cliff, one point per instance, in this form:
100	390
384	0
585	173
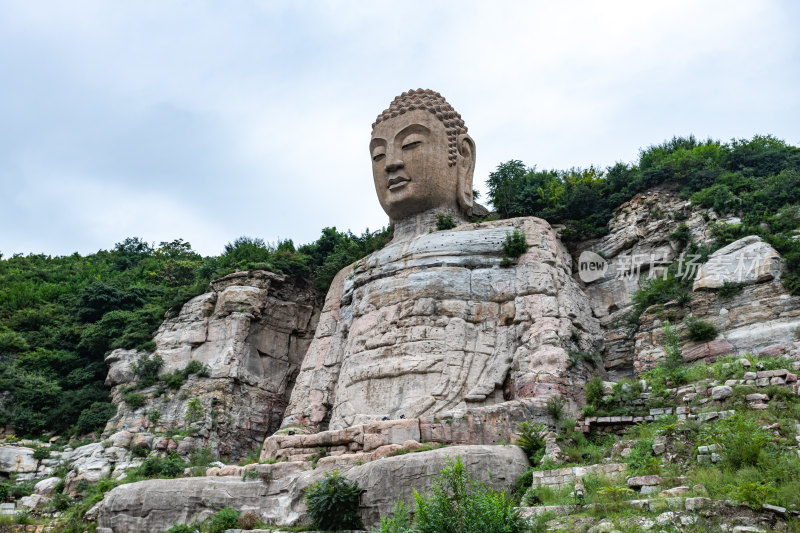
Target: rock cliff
642	244
250	333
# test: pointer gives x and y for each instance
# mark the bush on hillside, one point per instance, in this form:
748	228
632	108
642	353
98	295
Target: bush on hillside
457	504
333	503
701	330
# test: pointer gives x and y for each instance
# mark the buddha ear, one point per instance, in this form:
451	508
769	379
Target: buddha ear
465	166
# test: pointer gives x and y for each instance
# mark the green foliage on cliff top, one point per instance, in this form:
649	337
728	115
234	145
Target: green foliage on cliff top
60	315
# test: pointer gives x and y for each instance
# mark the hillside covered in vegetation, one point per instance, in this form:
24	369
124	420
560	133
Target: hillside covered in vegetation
60	315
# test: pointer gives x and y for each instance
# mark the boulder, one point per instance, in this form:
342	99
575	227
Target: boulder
638	482
46	486
157	504
16	460
277	497
748	260
34	502
120	369
721	392
393	478
121	439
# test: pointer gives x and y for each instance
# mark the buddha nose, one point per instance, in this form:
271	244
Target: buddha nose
391	166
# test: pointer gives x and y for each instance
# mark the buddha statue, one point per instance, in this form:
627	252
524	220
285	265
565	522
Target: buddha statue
440	320
422	162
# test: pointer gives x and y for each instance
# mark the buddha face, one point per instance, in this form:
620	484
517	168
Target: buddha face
410	165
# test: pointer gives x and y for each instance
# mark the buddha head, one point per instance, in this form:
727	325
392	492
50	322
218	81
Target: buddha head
422	157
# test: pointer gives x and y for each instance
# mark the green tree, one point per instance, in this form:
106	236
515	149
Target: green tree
502	183
194	410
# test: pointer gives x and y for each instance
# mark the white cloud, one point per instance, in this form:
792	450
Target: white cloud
208	121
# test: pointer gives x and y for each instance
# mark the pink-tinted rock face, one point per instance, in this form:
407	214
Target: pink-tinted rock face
434	323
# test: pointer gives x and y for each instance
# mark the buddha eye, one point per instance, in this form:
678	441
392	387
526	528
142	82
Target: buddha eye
411	145
378	157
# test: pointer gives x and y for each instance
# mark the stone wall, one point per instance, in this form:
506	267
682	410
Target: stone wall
562	477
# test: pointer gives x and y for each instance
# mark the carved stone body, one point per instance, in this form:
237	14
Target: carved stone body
433	324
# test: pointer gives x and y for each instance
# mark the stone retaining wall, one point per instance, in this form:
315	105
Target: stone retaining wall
486	425
561	477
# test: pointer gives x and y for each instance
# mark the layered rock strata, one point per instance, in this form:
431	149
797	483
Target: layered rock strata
762	319
250	333
435	323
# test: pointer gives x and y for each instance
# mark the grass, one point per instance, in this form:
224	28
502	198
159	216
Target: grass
550	496
426	447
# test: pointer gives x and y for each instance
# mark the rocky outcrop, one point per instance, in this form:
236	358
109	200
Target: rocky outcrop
250	333
642	244
762	316
435	323
16	460
277	496
748	260
638	245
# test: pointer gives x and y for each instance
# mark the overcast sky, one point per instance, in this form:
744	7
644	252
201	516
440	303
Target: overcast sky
211	120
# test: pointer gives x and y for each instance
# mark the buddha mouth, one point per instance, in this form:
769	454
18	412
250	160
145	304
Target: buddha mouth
395	182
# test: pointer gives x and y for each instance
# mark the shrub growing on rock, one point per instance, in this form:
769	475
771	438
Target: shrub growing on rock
594	392
555	408
194	410
531	439
135	400
729	289
457	504
681	234
444	222
225	518
701	330
154	416
173	380
179	528
40	453
515	244
139	450
170	466
249	520
146	369
333	503
195	367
